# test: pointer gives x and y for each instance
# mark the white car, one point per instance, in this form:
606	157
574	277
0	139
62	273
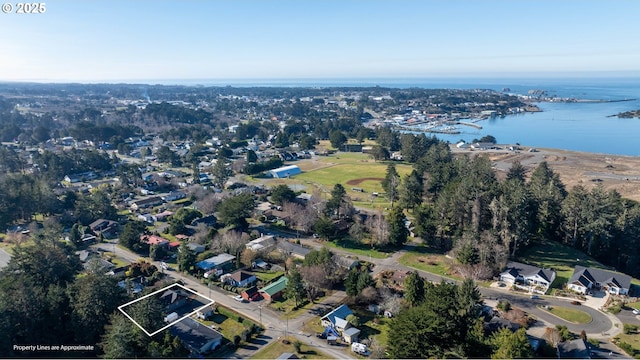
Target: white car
636	311
238	298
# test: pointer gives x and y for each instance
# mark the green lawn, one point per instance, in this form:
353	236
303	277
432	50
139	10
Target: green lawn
369	327
364	250
268	276
559	257
569	314
276	348
227	323
633	340
426	259
286	306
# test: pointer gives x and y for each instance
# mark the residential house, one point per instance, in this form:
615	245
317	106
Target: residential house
173	299
206	312
239	278
197	338
154	240
106	227
264	243
145	203
260	264
195	247
346	262
585	279
337	318
574	349
251	294
528	276
496	323
218	261
274	290
74	178
287	356
174	195
294	250
163	215
147	218
209	220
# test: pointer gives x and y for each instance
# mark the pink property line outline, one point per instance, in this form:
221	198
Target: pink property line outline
171	324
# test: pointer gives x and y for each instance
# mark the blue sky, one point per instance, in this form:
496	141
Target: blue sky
115	40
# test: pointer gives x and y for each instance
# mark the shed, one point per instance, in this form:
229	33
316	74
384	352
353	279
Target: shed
219	260
351	335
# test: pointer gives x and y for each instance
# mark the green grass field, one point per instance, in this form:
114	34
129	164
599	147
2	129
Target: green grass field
364	173
426	259
569	314
228	324
633	340
558	257
360	249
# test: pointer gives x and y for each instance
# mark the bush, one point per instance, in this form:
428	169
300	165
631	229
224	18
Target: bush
296	345
246	335
627	348
504	305
615	309
576	302
630	329
240	319
236	340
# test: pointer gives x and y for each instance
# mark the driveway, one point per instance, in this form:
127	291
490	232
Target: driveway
4	258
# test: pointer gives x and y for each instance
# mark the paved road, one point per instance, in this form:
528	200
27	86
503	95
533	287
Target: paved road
275	324
600	327
4	258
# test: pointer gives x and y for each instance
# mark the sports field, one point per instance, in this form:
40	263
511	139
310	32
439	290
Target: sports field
360	175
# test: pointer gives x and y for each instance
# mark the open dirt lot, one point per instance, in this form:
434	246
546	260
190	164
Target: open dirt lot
621	173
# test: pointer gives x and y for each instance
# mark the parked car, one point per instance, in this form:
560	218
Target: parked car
535	297
636	311
238	298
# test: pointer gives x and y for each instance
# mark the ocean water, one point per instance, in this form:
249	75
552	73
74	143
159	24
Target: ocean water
569	126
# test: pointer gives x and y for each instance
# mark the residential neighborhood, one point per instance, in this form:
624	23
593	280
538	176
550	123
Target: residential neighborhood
281	230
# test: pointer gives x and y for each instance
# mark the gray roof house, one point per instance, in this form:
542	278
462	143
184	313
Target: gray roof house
196	337
574	349
528	276
337	318
584	279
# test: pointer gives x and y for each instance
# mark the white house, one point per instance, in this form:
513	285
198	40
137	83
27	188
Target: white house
585	279
528	276
263	243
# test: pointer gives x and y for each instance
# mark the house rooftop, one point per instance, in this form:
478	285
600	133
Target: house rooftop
193	333
601	276
574	349
340	312
214	261
515	268
275	286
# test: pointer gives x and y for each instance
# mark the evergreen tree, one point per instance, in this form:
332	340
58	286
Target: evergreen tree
295	287
351	283
511	345
414	291
186	257
398	232
391	182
